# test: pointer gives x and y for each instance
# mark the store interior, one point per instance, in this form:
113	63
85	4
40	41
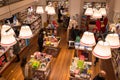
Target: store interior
59	40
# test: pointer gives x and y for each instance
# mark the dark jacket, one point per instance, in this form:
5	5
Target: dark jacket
99	78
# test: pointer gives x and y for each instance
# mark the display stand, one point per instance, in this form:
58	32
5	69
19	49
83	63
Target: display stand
80	70
41	65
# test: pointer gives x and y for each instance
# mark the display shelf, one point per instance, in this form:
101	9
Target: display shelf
43	69
116	63
80	69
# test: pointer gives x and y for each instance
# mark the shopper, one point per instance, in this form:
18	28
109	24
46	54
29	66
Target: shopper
100	76
40	41
96	61
16	50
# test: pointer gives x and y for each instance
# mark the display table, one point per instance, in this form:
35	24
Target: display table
41	65
51	41
80	70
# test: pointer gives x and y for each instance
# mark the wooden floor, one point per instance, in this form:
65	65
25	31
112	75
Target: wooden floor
61	64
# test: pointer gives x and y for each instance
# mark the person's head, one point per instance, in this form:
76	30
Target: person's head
102	73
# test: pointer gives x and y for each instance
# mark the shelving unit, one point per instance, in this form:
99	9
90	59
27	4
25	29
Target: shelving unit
116	63
5	58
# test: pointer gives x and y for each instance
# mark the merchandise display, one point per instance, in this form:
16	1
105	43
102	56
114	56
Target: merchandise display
41	65
5	57
51	41
80	69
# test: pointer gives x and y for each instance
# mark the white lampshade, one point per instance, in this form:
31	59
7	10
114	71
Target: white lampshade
89	11
113	40
39	10
51	11
7	39
25	32
97	14
103	11
7	28
88	39
102	50
47	8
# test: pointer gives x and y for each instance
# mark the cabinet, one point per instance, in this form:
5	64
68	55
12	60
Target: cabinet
116	63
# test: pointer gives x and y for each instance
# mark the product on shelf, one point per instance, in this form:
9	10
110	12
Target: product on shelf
80	69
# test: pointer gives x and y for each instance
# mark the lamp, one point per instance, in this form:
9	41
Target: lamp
113	40
88	39
25	32
7	39
103	11
48	6
5	28
51	11
89	11
102	50
97	14
39	10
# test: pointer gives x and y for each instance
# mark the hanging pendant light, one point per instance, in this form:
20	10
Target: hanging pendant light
103	11
7	28
88	39
97	14
89	11
39	10
7	39
113	40
102	50
25	32
51	11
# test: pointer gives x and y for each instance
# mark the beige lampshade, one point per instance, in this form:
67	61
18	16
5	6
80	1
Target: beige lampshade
7	39
51	11
103	11
39	10
89	11
47	8
88	39
102	50
7	28
113	40
25	32
97	14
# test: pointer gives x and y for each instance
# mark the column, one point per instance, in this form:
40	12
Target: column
75	7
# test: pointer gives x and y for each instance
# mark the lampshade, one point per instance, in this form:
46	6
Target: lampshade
102	50
51	11
97	14
7	28
7	39
89	11
103	11
88	39
113	40
39	10
47	8
25	32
